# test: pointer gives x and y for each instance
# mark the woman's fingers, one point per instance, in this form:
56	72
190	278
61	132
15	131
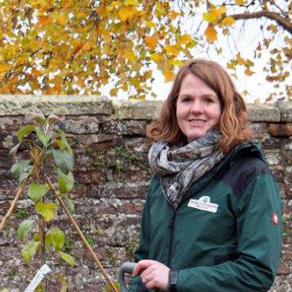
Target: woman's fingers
142	265
154	275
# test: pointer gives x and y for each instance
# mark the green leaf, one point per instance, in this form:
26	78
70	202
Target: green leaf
24	227
42	136
29	250
63	281
36	237
40	288
24	175
70	205
65	144
23	131
39	118
65	182
48	241
47	210
67	258
58	238
64	160
36	191
108	287
18	167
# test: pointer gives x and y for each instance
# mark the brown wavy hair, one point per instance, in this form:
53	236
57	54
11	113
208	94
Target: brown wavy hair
233	122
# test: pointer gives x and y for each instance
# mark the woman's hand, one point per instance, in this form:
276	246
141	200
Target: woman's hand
154	275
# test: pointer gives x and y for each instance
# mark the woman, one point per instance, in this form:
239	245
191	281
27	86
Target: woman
211	221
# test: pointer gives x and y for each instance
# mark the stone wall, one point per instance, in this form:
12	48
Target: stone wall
112	174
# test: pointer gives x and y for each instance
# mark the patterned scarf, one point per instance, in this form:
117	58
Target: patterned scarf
180	167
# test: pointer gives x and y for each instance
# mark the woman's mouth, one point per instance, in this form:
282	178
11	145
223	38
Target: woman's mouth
197	121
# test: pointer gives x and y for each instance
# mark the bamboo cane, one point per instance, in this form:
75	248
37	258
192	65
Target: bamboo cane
80	234
14	202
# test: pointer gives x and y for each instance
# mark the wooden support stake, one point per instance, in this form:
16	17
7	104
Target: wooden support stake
80	234
14	202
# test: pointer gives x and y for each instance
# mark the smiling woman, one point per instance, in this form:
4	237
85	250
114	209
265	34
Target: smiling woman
212	213
209	81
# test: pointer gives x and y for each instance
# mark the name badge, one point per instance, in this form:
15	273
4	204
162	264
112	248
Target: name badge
203	204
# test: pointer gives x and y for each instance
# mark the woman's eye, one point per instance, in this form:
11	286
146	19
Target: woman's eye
208	100
186	99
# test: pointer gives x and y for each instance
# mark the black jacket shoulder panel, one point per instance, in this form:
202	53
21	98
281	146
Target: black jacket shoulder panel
242	171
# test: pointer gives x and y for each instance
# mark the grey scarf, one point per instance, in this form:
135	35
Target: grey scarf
180	167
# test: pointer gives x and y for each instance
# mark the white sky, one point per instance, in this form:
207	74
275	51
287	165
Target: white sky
243	40
258	88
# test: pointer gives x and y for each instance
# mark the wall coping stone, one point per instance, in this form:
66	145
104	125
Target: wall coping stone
11	105
137	110
286	111
263	113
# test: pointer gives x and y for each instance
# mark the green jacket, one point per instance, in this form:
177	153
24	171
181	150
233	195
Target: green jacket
230	245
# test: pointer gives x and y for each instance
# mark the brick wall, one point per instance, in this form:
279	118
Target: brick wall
112	174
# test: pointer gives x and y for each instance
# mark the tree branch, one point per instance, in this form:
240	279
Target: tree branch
267	14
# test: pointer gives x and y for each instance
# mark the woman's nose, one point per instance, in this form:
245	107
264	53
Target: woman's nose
197	108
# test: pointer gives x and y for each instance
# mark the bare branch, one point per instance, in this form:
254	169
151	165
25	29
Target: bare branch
267	14
280	9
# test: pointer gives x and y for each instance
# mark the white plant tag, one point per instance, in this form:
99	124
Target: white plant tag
40	274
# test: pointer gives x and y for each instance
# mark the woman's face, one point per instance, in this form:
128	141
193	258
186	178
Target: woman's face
198	107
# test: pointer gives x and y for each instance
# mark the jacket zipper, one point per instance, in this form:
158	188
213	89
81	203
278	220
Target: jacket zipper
171	231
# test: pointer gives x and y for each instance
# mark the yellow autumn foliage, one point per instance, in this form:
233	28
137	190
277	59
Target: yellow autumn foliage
169	76
211	34
65	43
151	42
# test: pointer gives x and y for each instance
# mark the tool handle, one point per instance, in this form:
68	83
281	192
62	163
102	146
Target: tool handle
125	268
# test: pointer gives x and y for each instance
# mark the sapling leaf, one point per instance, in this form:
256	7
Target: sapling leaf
47	210
64	160
36	191
39	118
65	144
24	227
109	288
57	143
36	237
58	238
18	167
23	131
29	250
24	175
67	258
48	241
53	118
64	284
70	205
42	136
65	182
13	151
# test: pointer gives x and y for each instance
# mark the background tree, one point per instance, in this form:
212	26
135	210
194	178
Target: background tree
78	46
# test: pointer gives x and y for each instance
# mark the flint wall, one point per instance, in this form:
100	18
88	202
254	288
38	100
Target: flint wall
111	179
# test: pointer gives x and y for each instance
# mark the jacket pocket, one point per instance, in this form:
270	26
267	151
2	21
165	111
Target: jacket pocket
224	258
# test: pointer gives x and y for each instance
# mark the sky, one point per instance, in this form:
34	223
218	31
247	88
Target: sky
243	39
256	85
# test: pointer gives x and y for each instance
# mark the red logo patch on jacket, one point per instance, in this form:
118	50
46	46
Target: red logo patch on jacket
275	219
